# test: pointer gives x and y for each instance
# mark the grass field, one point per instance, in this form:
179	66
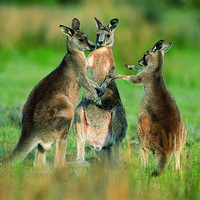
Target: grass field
23	65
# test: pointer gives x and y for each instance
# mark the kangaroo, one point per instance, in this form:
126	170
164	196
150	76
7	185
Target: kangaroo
160	128
105	125
49	110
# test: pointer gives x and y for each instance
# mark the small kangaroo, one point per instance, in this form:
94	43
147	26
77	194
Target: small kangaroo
160	128
105	125
49	110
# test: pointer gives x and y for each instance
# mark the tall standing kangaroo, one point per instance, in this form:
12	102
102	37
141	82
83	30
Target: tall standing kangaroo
160	128
49	110
105	125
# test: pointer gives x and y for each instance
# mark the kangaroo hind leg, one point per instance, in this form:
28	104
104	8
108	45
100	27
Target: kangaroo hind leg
144	157
61	142
80	130
61	122
106	156
162	160
60	152
117	155
40	156
177	165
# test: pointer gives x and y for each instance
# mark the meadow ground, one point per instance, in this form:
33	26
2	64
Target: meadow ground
22	65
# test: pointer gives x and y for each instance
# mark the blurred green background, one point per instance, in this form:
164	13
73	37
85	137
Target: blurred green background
31	46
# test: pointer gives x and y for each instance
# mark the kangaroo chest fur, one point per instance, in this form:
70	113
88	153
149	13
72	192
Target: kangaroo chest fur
102	63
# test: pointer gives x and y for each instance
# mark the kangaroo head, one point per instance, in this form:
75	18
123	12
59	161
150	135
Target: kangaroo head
153	58
105	34
76	39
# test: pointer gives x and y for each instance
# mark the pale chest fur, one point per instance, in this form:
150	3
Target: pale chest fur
101	61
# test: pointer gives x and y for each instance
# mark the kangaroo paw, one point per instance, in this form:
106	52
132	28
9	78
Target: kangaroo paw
133	67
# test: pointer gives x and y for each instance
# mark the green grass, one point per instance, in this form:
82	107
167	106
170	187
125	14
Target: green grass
23	69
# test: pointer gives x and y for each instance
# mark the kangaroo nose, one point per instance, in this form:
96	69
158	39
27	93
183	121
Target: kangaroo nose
100	42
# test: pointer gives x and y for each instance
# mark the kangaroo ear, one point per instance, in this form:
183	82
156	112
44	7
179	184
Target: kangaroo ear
113	24
167	46
158	46
99	24
66	30
75	24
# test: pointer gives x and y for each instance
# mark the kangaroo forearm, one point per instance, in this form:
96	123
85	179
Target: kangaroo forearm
134	79
130	78
112	70
89	87
84	82
94	84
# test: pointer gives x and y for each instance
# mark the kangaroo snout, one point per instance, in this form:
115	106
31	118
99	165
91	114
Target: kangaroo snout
90	46
99	43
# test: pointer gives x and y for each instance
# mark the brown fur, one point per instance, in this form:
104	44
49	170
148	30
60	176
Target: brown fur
49	110
160	128
101	126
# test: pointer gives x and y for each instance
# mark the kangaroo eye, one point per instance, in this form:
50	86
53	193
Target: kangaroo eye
108	35
81	40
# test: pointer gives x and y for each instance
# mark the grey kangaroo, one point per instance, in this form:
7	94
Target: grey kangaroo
49	110
105	125
160	127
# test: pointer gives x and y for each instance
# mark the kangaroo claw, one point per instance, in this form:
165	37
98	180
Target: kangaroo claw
100	91
111	76
98	102
133	67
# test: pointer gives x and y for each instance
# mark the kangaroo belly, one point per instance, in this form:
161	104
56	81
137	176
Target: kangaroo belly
97	128
97	118
98	138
